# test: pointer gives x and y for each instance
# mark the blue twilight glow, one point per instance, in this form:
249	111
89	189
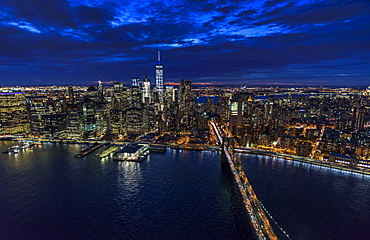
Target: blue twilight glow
303	42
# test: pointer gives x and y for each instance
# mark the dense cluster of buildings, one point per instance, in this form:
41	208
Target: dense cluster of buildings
318	123
306	122
95	112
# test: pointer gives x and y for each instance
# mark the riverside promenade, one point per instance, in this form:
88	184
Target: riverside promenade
340	167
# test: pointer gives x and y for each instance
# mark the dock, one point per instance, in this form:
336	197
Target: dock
188	147
107	152
86	152
157	148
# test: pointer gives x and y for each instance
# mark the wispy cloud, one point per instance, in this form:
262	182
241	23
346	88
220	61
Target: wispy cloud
79	35
118	58
24	25
206	41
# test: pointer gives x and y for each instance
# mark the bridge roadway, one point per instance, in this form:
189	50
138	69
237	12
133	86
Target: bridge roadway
257	216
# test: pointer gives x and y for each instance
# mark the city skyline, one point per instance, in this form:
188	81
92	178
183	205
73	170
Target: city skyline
307	43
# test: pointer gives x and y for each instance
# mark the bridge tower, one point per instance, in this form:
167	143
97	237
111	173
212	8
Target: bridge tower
223	155
229	142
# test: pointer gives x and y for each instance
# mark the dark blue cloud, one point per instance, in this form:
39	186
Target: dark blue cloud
51	12
252	42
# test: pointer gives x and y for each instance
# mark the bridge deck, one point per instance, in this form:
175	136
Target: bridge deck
257	215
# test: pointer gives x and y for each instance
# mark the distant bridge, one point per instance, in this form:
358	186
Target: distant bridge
260	221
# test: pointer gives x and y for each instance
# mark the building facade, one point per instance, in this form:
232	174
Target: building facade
14	117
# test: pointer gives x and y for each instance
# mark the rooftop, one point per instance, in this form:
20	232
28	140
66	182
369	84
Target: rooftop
132	148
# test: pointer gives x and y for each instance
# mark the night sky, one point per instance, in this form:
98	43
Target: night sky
278	42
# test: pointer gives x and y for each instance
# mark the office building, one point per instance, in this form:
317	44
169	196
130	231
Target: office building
159	74
146	90
359	113
14	117
236	113
186	108
100	92
134	121
136	82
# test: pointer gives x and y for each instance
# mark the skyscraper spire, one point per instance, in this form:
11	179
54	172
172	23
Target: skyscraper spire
159	57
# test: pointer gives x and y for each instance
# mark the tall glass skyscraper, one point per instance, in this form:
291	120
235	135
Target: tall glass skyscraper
159	74
146	90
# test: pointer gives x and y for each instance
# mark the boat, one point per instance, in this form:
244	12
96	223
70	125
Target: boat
6	151
26	145
85	149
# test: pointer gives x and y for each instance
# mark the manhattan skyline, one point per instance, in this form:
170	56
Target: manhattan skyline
307	43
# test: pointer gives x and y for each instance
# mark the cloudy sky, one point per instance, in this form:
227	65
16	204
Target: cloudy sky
230	42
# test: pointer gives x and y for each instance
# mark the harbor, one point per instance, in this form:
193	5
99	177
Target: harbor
115	147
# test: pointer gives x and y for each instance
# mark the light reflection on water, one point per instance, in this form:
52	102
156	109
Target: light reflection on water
129	179
179	194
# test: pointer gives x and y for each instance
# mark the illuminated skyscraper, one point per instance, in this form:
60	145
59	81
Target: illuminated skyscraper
159	97
159	74
88	118
185	93
136	82
146	90
71	95
37	108
170	95
117	87
92	93
118	105
135	97
359	113
100	92
236	113
134	121
186	105
14	117
73	124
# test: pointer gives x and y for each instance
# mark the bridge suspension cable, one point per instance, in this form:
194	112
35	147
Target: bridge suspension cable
256	212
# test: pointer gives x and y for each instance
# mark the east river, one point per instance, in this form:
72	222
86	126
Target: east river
46	193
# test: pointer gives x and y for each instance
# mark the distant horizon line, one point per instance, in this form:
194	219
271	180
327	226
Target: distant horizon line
201	84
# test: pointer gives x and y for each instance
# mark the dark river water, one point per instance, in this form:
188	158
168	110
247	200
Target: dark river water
48	194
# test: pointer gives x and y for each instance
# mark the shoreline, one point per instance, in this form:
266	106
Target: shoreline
358	170
255	151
